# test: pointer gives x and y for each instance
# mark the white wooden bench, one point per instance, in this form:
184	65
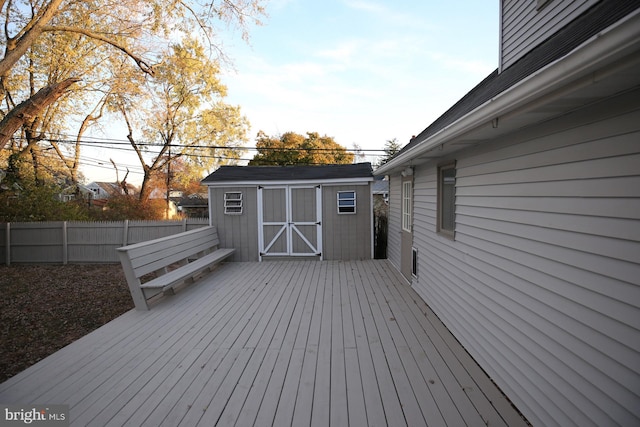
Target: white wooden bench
194	251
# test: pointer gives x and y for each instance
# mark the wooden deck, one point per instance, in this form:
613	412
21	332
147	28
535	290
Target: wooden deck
283	343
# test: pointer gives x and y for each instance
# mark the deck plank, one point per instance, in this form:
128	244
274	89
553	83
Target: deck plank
308	339
374	411
274	343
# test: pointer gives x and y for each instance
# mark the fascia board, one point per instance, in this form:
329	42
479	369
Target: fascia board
594	54
336	181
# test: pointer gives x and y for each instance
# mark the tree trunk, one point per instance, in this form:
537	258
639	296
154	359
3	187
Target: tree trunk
17	47
27	110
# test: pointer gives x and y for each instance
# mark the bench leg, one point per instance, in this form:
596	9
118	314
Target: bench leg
137	294
139	299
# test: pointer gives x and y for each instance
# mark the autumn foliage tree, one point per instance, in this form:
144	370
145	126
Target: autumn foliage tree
182	115
66	64
291	148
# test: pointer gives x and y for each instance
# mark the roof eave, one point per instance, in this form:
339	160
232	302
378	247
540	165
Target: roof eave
300	182
577	68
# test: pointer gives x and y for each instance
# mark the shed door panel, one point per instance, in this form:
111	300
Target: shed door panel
304	220
289	221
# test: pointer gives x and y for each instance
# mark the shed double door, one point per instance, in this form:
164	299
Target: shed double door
290	221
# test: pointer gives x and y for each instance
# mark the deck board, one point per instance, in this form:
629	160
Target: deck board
276	343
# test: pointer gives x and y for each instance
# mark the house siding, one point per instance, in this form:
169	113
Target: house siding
236	231
542	282
346	236
523	27
395	220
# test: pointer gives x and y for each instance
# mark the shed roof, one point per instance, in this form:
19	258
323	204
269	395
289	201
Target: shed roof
243	174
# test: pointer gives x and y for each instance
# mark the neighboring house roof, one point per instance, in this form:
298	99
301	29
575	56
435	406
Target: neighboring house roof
108	188
194	201
260	174
111	188
582	29
380	186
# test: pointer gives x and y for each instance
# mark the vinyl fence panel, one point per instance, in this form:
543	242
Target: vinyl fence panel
78	242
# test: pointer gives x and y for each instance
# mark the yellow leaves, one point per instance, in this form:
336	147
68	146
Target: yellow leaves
292	148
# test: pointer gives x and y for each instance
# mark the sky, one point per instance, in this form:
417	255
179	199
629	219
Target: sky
361	71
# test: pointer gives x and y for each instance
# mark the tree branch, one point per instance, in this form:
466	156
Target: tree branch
142	64
27	110
16	47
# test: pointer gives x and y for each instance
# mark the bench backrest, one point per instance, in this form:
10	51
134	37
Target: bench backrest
153	255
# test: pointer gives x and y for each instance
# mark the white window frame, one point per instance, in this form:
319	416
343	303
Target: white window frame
407	202
450	203
347	199
233	203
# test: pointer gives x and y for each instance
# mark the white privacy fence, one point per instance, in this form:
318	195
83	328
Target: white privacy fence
79	242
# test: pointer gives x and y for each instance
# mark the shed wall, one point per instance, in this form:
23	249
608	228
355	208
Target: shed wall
236	231
524	27
347	236
542	282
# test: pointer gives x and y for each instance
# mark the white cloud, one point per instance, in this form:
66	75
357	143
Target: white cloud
392	16
382	80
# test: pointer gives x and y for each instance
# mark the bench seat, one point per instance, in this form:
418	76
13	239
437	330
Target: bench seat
175	277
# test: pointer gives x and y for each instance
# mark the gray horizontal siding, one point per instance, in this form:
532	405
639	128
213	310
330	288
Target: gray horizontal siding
524	27
394	230
542	284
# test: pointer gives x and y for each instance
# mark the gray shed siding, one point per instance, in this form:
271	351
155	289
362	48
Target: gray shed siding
542	282
523	27
347	236
236	231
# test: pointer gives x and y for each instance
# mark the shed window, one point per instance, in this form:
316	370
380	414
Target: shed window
346	202
233	203
447	199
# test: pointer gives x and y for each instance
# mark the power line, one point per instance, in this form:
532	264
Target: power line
94	140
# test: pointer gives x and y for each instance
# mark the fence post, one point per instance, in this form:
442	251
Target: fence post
184	224
8	244
125	233
65	246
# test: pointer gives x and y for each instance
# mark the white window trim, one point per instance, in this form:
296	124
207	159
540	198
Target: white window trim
407	201
445	232
354	202
232	203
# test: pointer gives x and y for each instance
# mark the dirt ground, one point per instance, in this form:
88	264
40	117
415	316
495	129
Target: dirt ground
45	307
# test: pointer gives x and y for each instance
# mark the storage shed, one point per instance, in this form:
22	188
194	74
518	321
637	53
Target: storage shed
321	212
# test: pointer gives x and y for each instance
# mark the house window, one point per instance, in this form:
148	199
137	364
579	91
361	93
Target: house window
233	203
407	194
446	199
346	202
